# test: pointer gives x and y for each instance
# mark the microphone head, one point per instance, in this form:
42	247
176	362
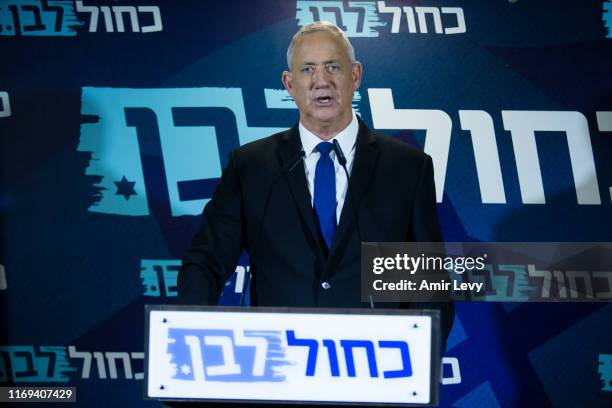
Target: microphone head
339	152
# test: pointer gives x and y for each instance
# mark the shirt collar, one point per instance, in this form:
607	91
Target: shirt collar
346	138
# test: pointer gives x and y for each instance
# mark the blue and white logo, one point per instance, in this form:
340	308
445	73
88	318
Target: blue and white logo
234	355
290	356
371	18
226	355
62	18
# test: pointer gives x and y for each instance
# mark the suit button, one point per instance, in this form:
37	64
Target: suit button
325	285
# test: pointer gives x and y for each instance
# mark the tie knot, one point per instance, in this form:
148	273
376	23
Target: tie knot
324	148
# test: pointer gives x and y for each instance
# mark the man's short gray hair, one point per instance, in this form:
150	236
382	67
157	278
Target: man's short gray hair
320	26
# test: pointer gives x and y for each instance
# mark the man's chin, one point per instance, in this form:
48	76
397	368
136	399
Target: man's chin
327	115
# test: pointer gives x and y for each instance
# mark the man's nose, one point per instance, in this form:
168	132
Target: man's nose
321	78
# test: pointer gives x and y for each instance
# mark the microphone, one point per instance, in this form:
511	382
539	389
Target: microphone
342	160
286	170
294	163
340	156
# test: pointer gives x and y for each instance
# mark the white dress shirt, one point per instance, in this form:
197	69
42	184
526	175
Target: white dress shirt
346	138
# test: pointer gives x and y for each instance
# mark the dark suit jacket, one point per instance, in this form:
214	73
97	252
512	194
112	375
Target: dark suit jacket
263	206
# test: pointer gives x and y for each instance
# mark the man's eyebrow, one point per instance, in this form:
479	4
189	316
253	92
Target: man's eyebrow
333	61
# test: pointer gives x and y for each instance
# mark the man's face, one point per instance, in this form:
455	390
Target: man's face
322	81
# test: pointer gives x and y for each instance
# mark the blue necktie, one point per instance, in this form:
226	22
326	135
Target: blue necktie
325	193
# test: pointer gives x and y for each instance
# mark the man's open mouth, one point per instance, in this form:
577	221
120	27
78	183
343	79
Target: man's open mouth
324	100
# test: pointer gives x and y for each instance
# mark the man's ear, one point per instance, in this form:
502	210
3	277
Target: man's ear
356	73
288	82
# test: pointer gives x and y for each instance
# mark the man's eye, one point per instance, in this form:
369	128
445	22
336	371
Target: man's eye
308	70
333	68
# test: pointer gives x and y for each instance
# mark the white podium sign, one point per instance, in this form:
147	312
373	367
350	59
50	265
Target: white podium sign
355	356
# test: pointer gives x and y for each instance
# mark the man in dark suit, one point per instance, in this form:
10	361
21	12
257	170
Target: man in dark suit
286	199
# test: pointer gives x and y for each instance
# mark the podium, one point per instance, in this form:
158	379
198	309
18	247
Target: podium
292	355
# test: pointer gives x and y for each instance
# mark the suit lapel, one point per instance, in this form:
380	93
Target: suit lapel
366	155
296	178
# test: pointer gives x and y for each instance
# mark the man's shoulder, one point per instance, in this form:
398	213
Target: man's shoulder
266	146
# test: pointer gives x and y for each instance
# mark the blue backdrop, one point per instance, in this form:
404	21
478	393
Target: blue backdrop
116	118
